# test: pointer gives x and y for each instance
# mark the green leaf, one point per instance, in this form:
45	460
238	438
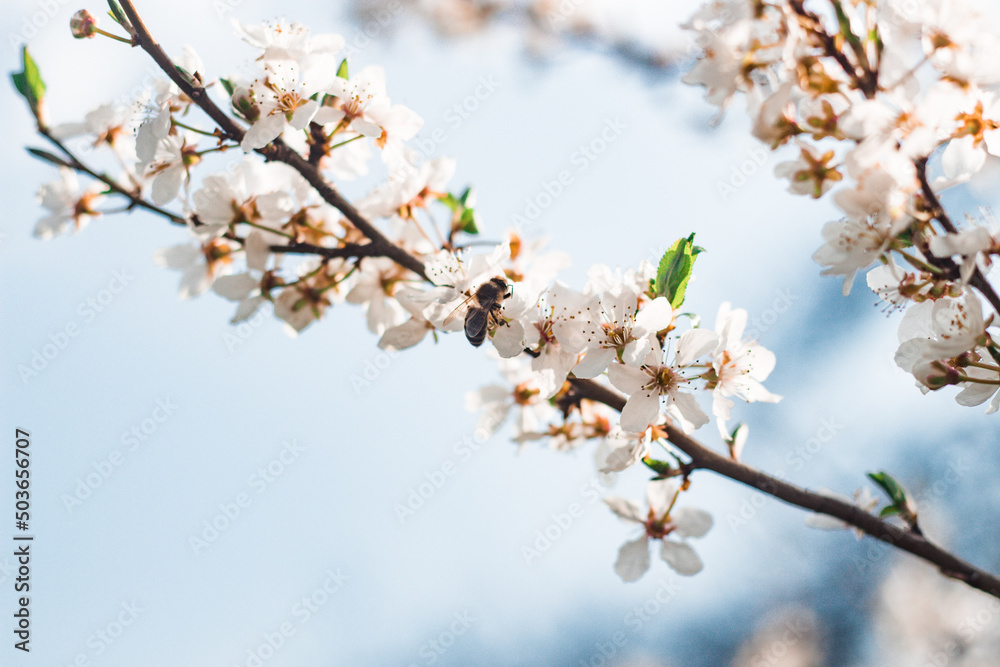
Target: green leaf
29	83
228	86
468	221
901	505
342	70
450	201
674	272
117	14
187	76
659	467
737	440
892	488
121	19
463	214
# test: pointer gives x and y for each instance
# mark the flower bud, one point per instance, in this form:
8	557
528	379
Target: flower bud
244	106
83	24
936	374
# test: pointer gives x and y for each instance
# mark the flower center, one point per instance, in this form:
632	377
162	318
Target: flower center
524	394
545	331
658	528
663	378
617	336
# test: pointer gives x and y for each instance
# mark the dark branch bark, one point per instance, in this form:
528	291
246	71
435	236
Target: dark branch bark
978	280
135	199
276	150
904	539
345	251
866	81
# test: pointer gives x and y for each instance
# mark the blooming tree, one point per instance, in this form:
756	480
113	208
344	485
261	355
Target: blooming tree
887	104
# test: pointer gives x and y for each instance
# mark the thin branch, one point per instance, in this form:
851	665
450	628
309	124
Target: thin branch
978	280
345	251
907	540
867	81
276	150
70	161
135	200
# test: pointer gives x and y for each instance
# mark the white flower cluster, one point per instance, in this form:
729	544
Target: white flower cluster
868	93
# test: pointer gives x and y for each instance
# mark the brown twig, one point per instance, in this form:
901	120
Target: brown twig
907	540
345	251
135	199
978	280
866	81
276	150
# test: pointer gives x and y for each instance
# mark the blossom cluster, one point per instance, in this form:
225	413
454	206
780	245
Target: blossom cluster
886	104
249	222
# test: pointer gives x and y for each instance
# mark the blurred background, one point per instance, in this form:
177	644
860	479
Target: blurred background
212	495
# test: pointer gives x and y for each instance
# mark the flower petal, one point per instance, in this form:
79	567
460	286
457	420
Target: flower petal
235	287
633	559
681	557
694	343
691	521
628	510
640	409
594	363
660	493
626	378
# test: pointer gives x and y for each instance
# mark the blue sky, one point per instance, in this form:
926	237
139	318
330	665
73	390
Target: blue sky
300	468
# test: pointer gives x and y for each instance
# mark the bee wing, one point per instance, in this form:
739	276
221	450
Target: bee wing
460	309
475	324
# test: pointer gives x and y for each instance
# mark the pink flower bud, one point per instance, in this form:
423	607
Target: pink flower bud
83	24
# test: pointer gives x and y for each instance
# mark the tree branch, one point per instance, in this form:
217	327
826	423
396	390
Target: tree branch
71	162
276	150
867	81
344	251
906	540
978	280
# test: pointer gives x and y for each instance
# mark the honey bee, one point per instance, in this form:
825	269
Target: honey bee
482	309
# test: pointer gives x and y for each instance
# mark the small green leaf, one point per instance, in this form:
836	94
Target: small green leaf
117	14
29	83
901	504
228	86
737	440
342	70
463	214
119	17
661	468
468	221
674	272
450	201
193	79
892	488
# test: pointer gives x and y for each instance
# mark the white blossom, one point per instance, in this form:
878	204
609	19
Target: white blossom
660	523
